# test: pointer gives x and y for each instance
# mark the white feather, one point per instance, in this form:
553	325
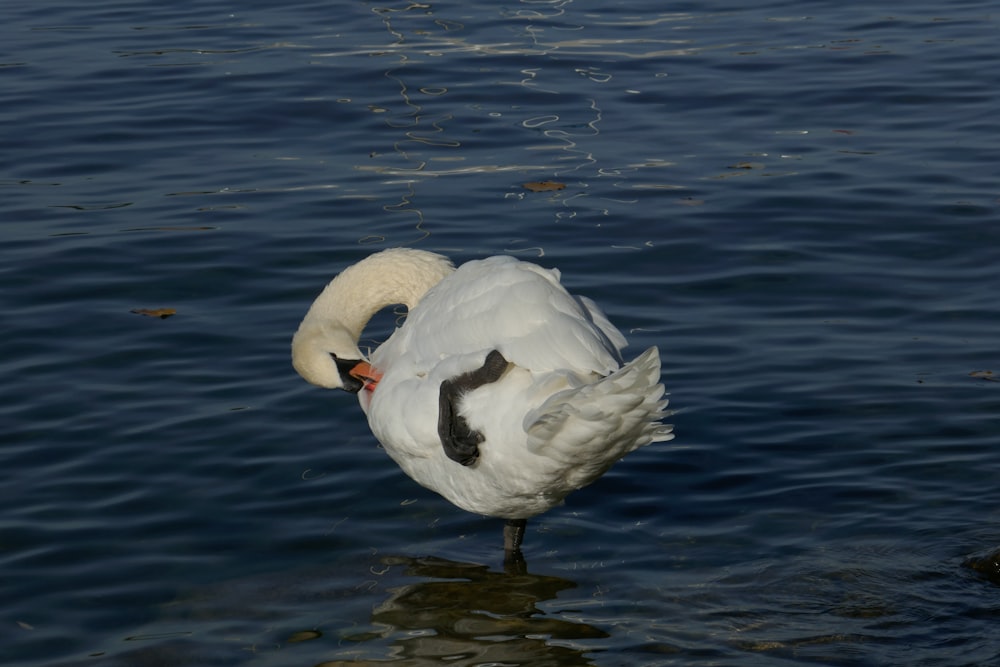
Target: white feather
564	411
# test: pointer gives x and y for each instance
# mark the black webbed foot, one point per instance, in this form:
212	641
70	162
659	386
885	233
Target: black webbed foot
460	441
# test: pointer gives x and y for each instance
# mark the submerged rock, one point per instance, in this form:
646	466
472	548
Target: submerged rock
988	565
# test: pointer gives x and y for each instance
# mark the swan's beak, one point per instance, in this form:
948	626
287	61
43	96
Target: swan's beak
356	375
367	374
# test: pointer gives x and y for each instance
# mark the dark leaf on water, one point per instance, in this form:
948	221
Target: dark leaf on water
162	313
544	186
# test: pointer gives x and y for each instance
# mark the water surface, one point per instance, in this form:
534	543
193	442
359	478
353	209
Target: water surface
797	202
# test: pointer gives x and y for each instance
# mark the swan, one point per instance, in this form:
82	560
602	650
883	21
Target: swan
501	391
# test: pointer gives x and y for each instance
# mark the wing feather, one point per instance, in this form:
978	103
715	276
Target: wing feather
515	307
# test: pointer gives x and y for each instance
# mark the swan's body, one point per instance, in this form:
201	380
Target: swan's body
559	412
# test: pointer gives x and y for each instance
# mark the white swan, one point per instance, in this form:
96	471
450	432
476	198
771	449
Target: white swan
501	391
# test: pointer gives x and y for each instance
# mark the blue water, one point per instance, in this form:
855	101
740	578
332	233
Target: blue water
798	202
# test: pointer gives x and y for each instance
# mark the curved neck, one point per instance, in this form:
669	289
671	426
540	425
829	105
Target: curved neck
339	314
397	275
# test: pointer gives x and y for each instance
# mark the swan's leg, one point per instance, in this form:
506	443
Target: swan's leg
513	535
460	442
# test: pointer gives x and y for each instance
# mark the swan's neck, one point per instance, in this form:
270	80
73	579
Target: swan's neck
339	314
398	275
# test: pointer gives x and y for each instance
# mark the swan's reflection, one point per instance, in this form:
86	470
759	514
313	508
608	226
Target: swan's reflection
421	611
465	614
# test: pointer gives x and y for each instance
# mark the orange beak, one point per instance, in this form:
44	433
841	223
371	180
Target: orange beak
367	374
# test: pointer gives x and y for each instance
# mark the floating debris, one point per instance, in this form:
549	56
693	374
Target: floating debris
544	186
162	313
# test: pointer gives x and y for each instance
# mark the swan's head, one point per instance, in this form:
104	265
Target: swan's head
325	348
327	356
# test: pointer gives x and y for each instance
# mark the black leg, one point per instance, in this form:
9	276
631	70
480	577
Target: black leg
460	442
513	535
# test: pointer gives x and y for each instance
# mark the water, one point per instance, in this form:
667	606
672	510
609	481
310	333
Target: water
797	202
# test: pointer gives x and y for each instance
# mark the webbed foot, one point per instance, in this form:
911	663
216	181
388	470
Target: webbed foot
460	441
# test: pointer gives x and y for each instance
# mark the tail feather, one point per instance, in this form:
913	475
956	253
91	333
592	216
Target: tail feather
590	427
